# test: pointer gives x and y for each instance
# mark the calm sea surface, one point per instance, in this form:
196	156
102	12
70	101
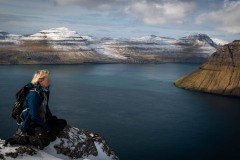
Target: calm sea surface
136	108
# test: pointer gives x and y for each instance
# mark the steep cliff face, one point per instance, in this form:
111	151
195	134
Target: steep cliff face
72	143
219	75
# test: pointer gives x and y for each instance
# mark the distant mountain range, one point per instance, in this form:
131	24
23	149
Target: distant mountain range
63	46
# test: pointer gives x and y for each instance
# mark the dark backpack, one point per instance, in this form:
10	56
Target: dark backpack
18	105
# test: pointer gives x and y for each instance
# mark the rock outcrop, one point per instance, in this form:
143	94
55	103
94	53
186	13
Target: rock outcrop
72	143
219	75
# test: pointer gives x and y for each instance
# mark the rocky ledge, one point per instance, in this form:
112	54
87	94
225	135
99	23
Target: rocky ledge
219	75
72	143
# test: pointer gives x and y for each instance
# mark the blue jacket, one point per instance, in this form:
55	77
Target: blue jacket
32	105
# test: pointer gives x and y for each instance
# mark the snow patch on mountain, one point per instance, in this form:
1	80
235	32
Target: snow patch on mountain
61	39
219	41
153	44
56	34
88	38
154	39
69	45
104	49
202	43
197	40
6	37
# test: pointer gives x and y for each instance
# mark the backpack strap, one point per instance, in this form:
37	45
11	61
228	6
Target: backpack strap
27	109
34	90
21	115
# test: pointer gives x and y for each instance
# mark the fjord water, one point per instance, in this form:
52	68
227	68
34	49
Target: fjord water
136	108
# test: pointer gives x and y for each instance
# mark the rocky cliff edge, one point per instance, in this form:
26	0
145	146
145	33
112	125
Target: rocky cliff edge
72	143
219	75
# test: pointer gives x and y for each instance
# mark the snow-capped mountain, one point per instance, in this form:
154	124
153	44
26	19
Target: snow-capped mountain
89	38
7	39
8	36
62	45
154	39
154	49
197	39
55	34
3	35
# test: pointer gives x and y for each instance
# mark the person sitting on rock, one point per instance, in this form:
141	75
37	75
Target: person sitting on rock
39	127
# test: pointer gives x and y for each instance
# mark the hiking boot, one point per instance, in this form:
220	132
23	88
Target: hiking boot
18	138
21	137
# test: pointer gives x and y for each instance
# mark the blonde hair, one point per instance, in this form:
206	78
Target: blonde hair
39	76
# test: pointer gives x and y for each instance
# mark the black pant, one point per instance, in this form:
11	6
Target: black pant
40	138
37	136
56	125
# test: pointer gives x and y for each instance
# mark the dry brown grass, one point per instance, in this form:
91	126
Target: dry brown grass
220	75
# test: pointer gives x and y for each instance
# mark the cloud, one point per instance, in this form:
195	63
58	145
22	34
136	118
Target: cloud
162	12
148	11
92	4
226	19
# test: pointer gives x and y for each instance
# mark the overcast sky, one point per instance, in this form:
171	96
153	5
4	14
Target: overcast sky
124	18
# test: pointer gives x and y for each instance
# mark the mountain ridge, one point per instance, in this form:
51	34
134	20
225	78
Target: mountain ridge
64	46
76	34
